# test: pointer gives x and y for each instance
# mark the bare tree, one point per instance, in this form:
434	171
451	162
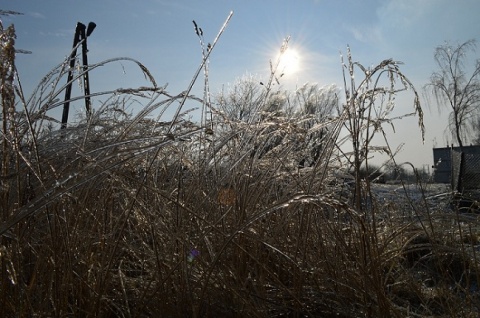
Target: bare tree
316	106
453	88
242	99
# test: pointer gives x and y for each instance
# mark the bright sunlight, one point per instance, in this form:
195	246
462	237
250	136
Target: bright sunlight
289	62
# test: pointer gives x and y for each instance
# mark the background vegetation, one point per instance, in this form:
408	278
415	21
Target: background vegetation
265	207
456	86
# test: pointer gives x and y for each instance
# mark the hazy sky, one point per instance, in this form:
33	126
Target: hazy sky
160	34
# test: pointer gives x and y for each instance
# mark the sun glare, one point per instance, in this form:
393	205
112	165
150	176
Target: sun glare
289	62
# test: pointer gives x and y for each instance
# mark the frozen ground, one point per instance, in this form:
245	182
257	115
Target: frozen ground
436	196
430	191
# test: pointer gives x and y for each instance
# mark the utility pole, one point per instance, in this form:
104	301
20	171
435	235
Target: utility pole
81	34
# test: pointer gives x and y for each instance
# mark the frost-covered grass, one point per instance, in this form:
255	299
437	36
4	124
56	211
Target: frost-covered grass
253	211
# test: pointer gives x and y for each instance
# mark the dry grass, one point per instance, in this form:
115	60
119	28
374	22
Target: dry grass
125	216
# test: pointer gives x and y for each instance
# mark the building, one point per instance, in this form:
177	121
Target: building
449	163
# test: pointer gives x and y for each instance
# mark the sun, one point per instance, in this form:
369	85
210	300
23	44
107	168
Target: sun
289	62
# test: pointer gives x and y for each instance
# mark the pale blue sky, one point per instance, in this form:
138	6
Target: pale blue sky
160	34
